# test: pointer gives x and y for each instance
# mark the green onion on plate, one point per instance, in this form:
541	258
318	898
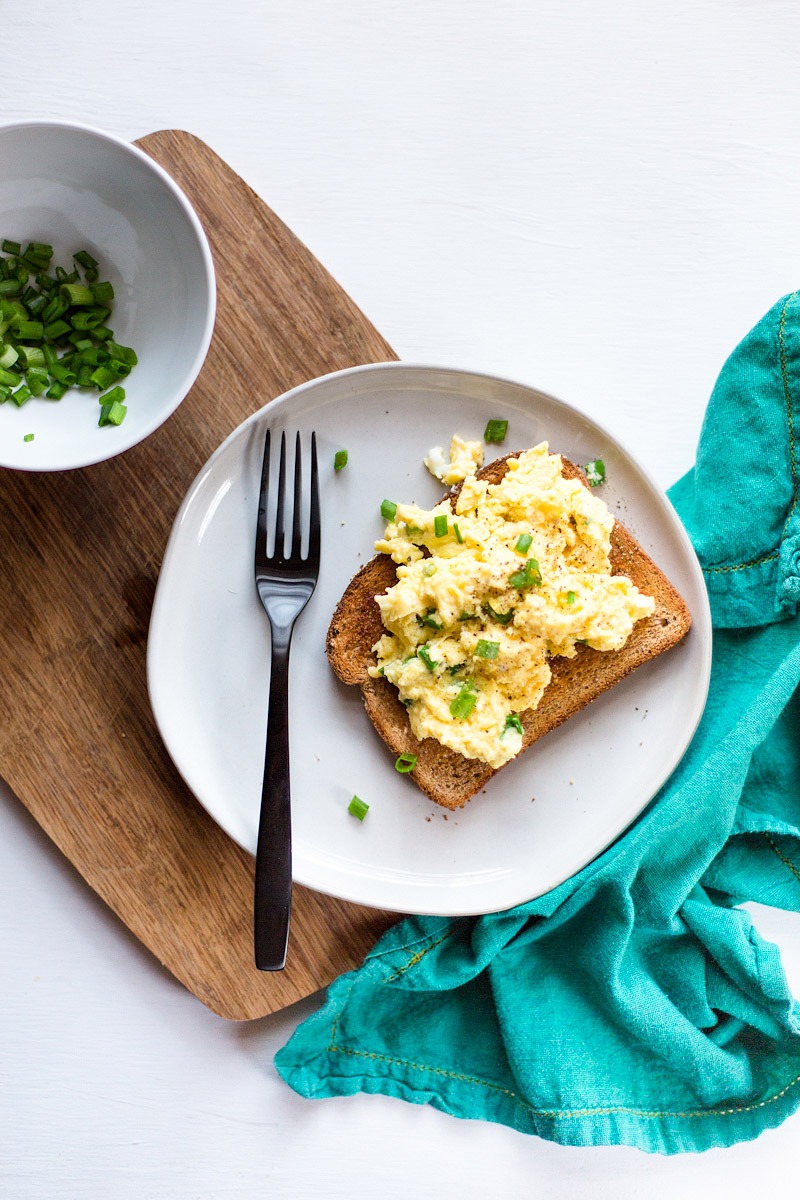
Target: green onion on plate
357	808
405	763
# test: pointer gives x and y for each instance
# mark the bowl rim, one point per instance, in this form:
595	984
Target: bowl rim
206	258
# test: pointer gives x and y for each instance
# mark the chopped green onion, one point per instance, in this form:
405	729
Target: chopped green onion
36	304
116	394
103	377
456	667
425	654
31	356
89	319
103	293
112	414
30	331
429	569
523	543
55	309
595	471
512	722
431	619
457	532
35	262
37	380
501	618
570	597
486	649
95	318
357	808
388	510
464	702
529	576
63	374
465	616
339	459
21	395
77	294
56	330
84	258
95	356
495	431
440	525
28	437
405	763
48	318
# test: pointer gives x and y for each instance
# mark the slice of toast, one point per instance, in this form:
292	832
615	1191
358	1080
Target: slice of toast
445	776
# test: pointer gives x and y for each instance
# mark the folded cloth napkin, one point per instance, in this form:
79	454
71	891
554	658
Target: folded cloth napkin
635	1004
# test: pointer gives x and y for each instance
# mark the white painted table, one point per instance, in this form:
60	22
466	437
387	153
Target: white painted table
596	198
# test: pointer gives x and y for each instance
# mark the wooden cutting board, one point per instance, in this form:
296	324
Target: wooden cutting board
80	553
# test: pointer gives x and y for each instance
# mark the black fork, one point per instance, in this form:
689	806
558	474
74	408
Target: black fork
284	584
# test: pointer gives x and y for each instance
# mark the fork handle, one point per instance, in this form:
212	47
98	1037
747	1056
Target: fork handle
273	898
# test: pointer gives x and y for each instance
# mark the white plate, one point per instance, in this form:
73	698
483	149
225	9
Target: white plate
208	658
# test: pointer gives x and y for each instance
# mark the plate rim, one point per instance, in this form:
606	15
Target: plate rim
701	620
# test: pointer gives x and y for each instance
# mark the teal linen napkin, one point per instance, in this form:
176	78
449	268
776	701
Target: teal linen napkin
636	1003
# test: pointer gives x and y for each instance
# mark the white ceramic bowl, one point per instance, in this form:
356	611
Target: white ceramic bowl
79	188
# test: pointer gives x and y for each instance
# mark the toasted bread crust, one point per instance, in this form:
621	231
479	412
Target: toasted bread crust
445	776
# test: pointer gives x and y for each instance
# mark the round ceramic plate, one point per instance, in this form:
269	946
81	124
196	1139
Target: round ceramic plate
547	813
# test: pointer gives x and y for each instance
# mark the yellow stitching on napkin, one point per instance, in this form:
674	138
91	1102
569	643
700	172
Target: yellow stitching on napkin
559	1113
575	1112
756	562
411	962
782	857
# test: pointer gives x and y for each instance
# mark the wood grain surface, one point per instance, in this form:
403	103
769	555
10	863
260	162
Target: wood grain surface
80	553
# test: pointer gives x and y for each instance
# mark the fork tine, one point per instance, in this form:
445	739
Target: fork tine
313	537
261	523
279	515
297	524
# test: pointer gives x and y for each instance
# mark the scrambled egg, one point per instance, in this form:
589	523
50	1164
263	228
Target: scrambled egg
465	459
485	596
